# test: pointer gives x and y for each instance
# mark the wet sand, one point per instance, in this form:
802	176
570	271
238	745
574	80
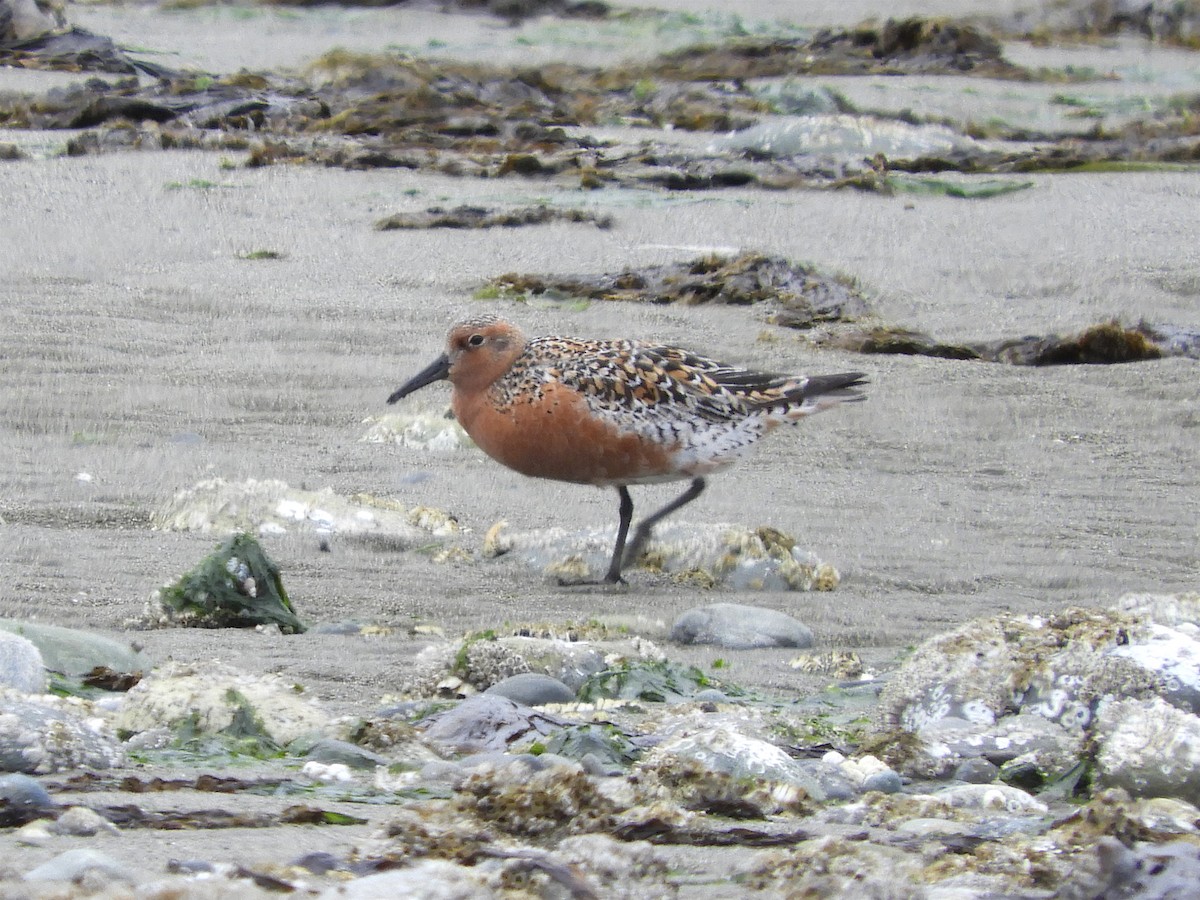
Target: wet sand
141	350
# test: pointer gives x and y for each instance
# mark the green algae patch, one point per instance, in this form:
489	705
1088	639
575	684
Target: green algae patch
963	190
236	586
651	682
245	735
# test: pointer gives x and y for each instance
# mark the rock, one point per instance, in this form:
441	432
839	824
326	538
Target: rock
79	821
436	432
430	879
745	559
1150	748
74	652
535	797
846	136
22	800
616	866
21	666
998	797
76	864
949	743
1166	815
236	586
729	753
867	773
1024	693
272	507
330	750
488	722
482	660
976	770
327	773
34	834
570	662
21	20
48	734
479	661
211	698
1172	655
1179	611
964	674
1056	667
599	749
887	782
1148	871
737	627
532	689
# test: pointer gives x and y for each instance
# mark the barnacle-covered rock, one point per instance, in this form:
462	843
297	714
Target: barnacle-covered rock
43	734
723	770
210	698
744	558
556	800
1150	748
271	506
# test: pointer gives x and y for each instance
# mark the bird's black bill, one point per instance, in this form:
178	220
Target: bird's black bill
435	371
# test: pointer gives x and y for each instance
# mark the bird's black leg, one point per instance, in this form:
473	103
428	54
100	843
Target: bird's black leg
626	513
647	524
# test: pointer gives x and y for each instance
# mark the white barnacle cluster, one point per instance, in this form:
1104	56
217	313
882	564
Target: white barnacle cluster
1034	693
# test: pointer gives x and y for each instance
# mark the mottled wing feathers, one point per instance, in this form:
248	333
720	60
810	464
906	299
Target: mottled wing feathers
623	377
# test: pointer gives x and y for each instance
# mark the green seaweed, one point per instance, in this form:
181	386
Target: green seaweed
652	681
604	743
236	586
964	190
199	184
1130	165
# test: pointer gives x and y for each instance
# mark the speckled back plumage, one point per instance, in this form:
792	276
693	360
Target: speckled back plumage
709	413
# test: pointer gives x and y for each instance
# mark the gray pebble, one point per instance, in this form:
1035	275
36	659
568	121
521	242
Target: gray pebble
74	651
884	782
329	750
74	864
21	796
736	626
21	666
532	689
977	771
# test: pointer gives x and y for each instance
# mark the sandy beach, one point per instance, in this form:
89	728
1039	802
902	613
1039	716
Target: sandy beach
142	353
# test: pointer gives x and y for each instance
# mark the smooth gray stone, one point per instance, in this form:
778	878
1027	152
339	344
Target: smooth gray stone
329	750
74	864
76	652
21	666
21	794
736	626
532	689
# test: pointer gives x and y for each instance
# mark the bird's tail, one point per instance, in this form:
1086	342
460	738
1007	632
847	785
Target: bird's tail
818	393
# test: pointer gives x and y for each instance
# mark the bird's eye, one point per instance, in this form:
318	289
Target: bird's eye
475	340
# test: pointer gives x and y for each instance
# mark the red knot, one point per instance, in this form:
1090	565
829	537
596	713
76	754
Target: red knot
615	413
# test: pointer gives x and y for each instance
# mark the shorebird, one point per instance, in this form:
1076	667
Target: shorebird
615	413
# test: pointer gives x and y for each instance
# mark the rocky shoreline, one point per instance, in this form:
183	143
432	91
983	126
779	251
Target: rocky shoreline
1017	756
946	648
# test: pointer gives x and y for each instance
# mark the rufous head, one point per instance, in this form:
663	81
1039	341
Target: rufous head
479	350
